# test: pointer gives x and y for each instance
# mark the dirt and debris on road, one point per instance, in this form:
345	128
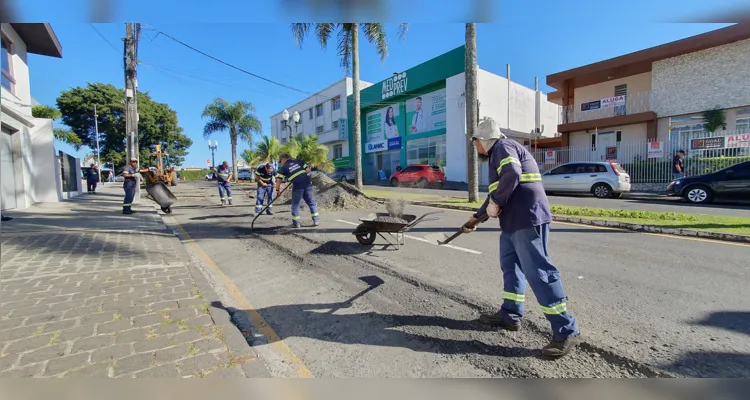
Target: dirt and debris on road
335	196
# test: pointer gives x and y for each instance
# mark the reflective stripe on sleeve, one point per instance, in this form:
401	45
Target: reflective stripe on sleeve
507	160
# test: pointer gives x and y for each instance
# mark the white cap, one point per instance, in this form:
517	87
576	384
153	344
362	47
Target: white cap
488	130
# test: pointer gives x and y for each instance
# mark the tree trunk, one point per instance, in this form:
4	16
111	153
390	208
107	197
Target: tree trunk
471	111
356	128
233	138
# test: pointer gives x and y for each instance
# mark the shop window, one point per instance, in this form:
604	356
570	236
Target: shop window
743	125
428	151
338	151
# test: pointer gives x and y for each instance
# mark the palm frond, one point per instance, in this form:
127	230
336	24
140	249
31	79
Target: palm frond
323	33
376	34
299	31
214	126
345	46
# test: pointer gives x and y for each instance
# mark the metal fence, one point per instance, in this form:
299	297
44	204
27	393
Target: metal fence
651	161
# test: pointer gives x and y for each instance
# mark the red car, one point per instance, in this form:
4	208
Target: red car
419	174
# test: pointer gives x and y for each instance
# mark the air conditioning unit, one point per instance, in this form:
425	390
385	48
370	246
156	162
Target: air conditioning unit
558	134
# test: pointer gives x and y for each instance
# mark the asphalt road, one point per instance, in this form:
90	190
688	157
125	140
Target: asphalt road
647	304
659	203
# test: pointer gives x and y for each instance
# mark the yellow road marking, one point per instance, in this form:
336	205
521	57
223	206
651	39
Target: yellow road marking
664	235
255	318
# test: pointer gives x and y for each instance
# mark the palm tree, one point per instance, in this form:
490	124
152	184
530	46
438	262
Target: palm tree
238	118
348	49
307	149
472	113
267	150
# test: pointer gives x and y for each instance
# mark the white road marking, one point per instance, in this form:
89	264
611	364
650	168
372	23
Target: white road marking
450	246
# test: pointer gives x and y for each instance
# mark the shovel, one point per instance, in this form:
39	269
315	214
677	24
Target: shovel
442	238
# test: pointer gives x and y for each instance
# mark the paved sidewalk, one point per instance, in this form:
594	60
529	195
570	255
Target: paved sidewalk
86	291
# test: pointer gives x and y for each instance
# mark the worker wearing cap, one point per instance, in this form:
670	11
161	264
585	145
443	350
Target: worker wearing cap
297	174
130	184
517	198
264	177
224	176
92	177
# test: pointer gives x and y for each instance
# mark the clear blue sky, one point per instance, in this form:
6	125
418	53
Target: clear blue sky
529	37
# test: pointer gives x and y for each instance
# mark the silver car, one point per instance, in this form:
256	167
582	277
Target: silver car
602	179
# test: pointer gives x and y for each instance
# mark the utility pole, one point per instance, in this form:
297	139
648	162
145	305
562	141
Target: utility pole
472	111
132	33
98	158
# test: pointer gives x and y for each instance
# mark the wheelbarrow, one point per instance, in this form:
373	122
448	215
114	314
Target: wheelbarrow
162	196
370	226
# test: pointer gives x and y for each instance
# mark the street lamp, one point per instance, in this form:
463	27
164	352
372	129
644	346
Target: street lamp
295	118
213	148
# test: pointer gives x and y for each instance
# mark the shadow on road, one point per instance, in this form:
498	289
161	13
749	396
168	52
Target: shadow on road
735	321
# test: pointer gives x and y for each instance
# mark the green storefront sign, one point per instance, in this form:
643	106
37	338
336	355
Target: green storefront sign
406	106
342	162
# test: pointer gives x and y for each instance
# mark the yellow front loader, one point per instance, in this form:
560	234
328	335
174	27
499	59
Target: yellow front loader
161	170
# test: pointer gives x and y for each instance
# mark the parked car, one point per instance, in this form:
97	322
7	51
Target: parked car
420	174
244	174
343	175
211	176
602	179
731	183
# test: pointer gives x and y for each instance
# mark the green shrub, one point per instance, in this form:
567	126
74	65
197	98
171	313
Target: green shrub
612	213
194	175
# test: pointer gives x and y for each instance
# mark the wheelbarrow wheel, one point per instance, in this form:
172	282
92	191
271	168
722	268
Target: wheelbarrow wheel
366	238
167	210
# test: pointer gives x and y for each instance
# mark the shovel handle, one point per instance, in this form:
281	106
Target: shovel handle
460	231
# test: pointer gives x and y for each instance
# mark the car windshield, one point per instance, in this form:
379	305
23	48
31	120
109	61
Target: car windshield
435	168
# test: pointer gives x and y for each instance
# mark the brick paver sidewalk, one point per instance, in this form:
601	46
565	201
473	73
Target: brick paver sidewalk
87	291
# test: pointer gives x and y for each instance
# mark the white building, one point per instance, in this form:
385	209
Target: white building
418	116
30	170
321	114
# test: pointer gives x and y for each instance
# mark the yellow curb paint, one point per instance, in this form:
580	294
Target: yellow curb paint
255	318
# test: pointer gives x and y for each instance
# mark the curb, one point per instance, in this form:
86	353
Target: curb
237	344
724	237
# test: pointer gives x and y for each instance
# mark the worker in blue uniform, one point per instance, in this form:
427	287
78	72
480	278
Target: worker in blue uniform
92	178
130	184
264	177
297	174
224	178
517	198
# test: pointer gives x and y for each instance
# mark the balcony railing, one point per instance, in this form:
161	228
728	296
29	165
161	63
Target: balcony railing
634	103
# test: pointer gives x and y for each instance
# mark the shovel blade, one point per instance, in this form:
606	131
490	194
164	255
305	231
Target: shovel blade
436	238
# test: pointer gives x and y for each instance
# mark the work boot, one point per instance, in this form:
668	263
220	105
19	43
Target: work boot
316	223
559	348
269	212
127	210
497	321
296	225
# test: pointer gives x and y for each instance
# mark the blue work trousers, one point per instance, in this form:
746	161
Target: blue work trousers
305	194
225	192
129	193
91	185
264	193
524	258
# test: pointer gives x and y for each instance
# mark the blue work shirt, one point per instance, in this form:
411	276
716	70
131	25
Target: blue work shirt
129	180
516	186
223	174
92	175
294	172
266	177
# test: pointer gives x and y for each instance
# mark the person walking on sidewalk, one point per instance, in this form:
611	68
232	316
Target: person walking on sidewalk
517	198
264	177
130	184
297	174
224	178
92	178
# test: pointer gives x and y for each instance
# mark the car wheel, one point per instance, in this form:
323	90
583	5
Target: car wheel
394	182
422	183
601	190
698	194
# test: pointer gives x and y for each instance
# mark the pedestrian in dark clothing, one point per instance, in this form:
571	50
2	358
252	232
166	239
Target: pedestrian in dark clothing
92	178
678	162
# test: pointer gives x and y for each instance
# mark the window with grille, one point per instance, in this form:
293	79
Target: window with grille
335	124
338	151
319	110
319	129
336	103
743	125
621	90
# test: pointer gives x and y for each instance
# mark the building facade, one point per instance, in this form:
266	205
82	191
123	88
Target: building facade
418	116
30	170
658	94
321	114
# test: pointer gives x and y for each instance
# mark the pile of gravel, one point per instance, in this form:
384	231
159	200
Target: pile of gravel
391	220
334	196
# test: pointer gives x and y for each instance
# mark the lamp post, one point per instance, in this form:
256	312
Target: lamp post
295	118
213	148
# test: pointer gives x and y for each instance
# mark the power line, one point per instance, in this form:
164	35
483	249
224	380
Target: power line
231	65
106	40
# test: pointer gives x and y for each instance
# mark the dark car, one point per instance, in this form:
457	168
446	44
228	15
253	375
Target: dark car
729	183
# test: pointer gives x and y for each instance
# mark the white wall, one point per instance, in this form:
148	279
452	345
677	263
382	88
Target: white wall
22	90
695	82
329	137
493	98
39	161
